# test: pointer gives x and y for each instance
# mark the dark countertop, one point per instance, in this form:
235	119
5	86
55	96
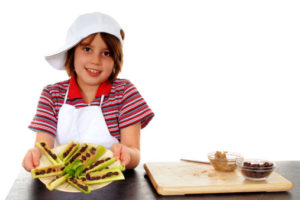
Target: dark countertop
138	186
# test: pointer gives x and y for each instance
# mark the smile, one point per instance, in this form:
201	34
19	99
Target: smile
93	70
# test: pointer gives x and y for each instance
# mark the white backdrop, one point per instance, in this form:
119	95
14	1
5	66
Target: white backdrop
219	75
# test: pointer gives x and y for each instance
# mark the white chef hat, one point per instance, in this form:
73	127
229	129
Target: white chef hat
82	27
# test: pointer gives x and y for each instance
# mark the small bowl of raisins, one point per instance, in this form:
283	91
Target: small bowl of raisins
256	169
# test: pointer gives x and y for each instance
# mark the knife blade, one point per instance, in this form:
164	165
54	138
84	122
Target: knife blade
195	161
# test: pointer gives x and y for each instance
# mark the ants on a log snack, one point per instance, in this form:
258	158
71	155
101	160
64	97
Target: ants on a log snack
77	162
49	153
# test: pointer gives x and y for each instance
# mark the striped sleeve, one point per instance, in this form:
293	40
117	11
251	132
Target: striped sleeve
133	108
45	119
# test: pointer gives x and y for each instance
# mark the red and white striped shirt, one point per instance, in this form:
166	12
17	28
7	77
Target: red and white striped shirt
122	106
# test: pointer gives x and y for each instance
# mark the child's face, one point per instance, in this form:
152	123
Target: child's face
92	61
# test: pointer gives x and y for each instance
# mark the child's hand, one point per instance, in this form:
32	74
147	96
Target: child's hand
121	152
32	159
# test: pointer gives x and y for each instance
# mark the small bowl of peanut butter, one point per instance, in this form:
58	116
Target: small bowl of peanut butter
223	160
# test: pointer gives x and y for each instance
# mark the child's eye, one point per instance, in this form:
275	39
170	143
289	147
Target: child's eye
106	53
87	49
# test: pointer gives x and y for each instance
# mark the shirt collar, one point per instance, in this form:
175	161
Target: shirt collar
74	91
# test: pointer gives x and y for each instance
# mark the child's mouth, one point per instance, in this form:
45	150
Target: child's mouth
93	72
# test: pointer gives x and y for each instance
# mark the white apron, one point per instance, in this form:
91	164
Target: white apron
85	124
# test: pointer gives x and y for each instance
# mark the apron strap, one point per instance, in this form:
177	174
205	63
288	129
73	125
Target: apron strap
66	96
102	97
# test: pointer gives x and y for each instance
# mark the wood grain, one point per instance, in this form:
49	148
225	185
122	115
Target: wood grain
179	178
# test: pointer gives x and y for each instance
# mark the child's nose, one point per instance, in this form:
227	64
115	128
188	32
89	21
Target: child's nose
96	59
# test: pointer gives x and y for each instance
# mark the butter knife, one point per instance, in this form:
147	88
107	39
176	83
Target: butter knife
194	161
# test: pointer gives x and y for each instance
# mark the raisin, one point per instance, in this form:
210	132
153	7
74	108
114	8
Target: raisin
88	176
109	174
83	148
115	173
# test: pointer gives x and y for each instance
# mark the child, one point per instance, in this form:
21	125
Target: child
93	106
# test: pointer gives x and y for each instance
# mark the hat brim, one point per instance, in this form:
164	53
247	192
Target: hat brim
57	59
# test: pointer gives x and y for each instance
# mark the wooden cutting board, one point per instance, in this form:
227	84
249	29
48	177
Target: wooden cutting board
179	178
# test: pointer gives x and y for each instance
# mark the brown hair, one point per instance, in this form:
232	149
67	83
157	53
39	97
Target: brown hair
115	47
